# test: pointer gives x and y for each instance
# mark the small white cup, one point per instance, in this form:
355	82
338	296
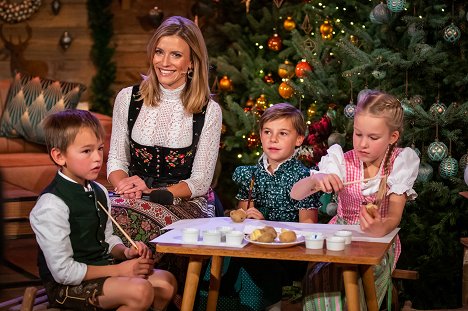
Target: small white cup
335	243
234	237
314	241
212	237
190	235
348	235
224	230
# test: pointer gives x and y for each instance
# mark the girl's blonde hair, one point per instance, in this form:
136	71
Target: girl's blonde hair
381	104
196	93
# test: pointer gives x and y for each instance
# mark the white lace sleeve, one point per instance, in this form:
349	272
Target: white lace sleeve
333	162
404	173
207	151
119	152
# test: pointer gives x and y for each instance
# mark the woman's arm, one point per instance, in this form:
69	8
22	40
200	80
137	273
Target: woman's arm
205	158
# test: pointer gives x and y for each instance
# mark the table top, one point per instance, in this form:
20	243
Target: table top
367	253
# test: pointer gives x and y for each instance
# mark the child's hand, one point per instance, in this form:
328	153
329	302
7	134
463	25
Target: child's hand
254	213
371	224
326	182
143	251
138	267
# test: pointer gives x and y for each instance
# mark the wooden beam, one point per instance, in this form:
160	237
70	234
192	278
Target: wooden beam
125	4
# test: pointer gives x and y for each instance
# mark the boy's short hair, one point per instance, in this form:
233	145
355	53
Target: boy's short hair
284	111
61	128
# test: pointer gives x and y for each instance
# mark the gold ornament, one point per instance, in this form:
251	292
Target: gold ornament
285	90
275	43
225	84
289	24
286	70
261	103
326	29
250	103
252	140
311	111
354	40
223	128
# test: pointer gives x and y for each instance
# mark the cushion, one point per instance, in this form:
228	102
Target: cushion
30	99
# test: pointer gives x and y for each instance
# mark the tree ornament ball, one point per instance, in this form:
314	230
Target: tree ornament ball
225	84
448	168
396	5
380	14
269	78
286	70
285	90
326	29
311	111
349	110
438	108
425	172
336	138
250	103
379	74
302	68
275	43
452	33
466	173
261	103
289	24
252	140
332	207
463	162
416	100
407	107
354	40
437	151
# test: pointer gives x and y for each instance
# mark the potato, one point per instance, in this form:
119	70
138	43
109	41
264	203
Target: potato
238	215
266	237
287	236
256	234
372	209
271	230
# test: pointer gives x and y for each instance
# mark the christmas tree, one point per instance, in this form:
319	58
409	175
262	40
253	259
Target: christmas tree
318	56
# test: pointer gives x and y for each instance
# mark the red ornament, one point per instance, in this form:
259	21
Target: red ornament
253	141
269	78
275	43
302	67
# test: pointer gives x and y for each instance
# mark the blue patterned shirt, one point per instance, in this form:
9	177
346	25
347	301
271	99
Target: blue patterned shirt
271	192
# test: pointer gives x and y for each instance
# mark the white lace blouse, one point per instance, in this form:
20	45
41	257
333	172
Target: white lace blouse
167	125
401	179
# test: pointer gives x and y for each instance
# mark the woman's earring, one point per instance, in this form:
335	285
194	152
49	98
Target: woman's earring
190	73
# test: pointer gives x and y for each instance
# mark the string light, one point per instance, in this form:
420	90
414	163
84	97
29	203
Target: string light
239	156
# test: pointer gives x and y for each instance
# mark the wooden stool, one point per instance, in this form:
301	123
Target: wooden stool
400	274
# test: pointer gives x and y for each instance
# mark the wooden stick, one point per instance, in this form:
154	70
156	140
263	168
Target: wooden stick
252	180
361	180
118	226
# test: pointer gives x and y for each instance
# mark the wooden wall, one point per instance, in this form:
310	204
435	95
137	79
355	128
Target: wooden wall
131	34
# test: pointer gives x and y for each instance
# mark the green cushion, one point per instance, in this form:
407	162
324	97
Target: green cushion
30	99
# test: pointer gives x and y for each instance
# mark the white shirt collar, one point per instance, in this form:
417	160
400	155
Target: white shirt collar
264	162
86	188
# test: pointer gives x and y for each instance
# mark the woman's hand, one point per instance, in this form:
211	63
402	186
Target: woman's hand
254	213
131	187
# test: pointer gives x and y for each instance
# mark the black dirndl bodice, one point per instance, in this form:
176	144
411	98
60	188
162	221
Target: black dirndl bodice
160	166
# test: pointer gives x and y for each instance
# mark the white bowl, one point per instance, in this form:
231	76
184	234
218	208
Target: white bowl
234	237
335	243
348	235
314	241
212	237
224	230
190	235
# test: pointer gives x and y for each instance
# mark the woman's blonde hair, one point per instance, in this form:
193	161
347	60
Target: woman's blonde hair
196	93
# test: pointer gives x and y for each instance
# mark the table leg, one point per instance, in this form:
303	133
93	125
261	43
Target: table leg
350	278
368	282
191	283
215	281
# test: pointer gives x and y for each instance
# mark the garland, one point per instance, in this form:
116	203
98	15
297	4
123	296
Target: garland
100	21
18	11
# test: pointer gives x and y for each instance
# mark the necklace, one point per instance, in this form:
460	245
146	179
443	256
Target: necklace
17	11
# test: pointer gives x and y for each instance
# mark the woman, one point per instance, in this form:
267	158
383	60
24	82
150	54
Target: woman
165	134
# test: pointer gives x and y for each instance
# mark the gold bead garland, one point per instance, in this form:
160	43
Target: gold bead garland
15	12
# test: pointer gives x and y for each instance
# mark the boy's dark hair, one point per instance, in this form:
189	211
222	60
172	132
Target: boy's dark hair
61	128
284	111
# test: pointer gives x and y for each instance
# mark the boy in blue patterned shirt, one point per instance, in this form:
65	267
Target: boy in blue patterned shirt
282	129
